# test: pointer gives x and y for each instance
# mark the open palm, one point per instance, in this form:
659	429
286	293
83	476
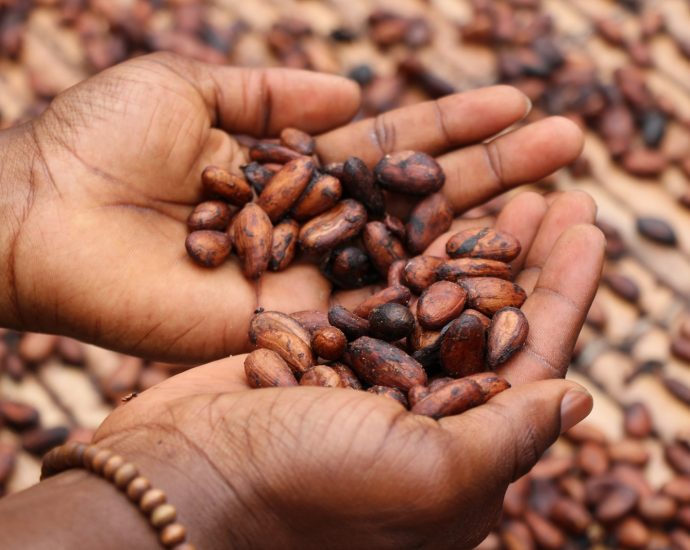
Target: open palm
118	167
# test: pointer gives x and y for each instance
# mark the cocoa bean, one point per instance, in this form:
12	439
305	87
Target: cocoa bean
463	346
680	347
334	227
437	383
680	539
213	215
657	230
353	326
410	172
678	488
272	152
552	466
632	533
429	219
218	182
629	451
297	140
616	504
516	498
592	459
395	276
515	535
383	248
617	126
395	226
40	440
18	416
391	393
322	376
265	369
426	345
35	347
570	515
485	243
329	343
14	367
257	175
275	320
253	236
678	456
382	364
653	127
644	163
683	517
453	270
208	248
360	184
283	190
349	267
545	533
8	454
335	169
439	304
574	487
294	351
507	335
347	376
657	508
321	194
615	247
632	477
416	394
489	294
311	320
391	322
420	272
390	294
678	389
283	245
637	421
486	321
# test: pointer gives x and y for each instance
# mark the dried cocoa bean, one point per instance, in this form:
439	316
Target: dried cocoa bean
463	346
485	243
420	272
321	194
18	416
257	175
391	321
657	230
678	389
629	451
383	248
592	459
297	140
644	163
489	294
395	226
283	190
570	515
410	172
429	219
678	488
265	369
40	440
221	183
507	335
272	152
347	377
294	351
360	184
353	326
349	267
334	227
321	375
311	320
396	273
515	535
546	534
283	245
208	248
453	270
390	294
214	215
382	364
253	236
486	321
637	421
334	169
275	320
632	533
437	383
678	456
329	343
616	504
657	508
439	304
416	394
391	393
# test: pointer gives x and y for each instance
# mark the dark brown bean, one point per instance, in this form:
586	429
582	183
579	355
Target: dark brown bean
40	440
221	183
420	272
297	140
383	248
657	230
463	346
311	320
439	304
570	515
394	294
283	190
283	245
18	416
321	194
429	219
208	248
391	321
213	215
489	294
272	152
410	172
360	184
349	267
334	227
486	243
353	326
453	270
329	343
257	175
253	237
678	389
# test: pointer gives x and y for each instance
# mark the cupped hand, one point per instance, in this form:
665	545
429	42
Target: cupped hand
95	243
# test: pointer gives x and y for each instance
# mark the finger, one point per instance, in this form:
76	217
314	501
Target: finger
432	126
480	172
567	210
261	102
557	307
512	430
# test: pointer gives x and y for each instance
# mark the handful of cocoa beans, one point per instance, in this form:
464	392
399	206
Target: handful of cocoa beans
428	353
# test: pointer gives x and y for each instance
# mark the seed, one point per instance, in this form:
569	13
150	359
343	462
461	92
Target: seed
208	248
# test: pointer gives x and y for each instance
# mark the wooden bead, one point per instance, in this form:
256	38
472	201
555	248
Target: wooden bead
99	460
173	534
77	450
89	454
163	515
151	499
111	466
137	488
125	473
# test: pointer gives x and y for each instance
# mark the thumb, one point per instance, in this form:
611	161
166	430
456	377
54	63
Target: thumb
509	434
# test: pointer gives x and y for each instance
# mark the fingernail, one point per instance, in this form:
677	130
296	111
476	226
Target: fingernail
575	407
529	106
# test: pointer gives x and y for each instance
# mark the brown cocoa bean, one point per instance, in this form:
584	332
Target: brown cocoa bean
213	215
347	376
616	504
678	488
574	487
311	320
416	394
382	364
410	172
329	343
285	188
683	517
219	182
395	273
637	421
395	226
429	219
383	248
485	243
426	345
322	376
453	270
679	539
35	347
516	498
8	454
391	322
592	459
18	416
334	169
390	294
678	456
283	245
489	294
632	477
253	236
617	127
644	163
657	230
272	152
353	326
515	535
208	248
360	184
678	389
657	508
486	321
257	175
570	515
294	351
463	346
40	440
629	451
552	466
266	369
275	320
420	272
391	393
439	304
14	367
349	267
297	140
680	347
632	533
507	335
333	227
321	194
545	533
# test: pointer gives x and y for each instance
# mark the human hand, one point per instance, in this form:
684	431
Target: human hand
94	244
318	467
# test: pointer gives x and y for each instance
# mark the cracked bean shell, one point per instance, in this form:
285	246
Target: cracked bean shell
265	369
507	334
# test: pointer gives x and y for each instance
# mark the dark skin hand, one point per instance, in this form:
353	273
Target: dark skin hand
298	467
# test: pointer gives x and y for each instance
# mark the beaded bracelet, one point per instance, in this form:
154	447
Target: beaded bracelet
152	502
